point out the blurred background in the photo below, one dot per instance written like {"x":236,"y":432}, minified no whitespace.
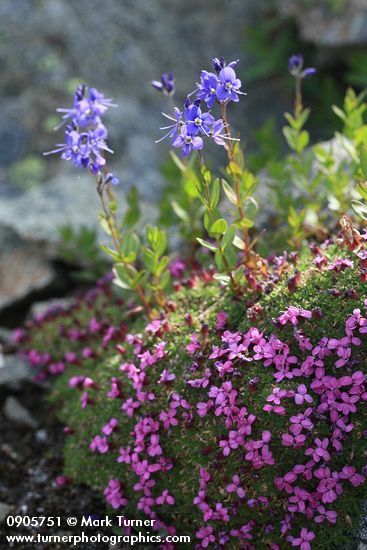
{"x":47,"y":47}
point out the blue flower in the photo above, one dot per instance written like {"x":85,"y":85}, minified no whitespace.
{"x":187,"y":141}
{"x":196,"y":121}
{"x":87,"y":110}
{"x":166,"y":84}
{"x":219,"y":63}
{"x":207,"y":89}
{"x":216,"y":132}
{"x":295,"y":67}
{"x":76,"y":147}
{"x":229,"y":85}
{"x":112,"y":178}
{"x":174,"y":128}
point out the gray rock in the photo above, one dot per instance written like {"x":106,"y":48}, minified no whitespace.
{"x":23,"y":268}
{"x":15,"y":412}
{"x":5,"y":510}
{"x":119,"y":50}
{"x":13,"y":370}
{"x":69,"y":198}
{"x":325,"y":24}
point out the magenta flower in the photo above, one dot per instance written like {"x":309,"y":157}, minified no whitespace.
{"x":165,"y":498}
{"x":110,"y":426}
{"x":168,"y":418}
{"x":302,"y":396}
{"x":206,"y":535}
{"x":320,"y":451}
{"x":291,"y":315}
{"x":129,"y":406}
{"x":350,"y":472}
{"x":323,"y":514}
{"x":154,"y":448}
{"x":113,"y":494}
{"x":100,"y":444}
{"x":234,"y":487}
{"x":194,"y":344}
{"x":221,"y":320}
{"x":303,"y":541}
{"x":166,"y":377}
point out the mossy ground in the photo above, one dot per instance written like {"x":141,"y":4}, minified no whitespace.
{"x":195,"y":443}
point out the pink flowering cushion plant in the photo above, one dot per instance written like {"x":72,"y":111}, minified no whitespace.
{"x":242,"y":434}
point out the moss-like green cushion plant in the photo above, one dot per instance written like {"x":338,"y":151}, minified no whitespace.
{"x":238,"y":422}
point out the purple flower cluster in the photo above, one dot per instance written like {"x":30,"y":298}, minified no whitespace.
{"x":85,"y":135}
{"x":191,"y":125}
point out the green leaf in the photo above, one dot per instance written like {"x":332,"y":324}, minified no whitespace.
{"x":207,"y":177}
{"x":206,"y":244}
{"x":360,"y":209}
{"x":239,"y":243}
{"x":302,"y":141}
{"x":180,"y":212}
{"x":362,"y":188}
{"x":231,"y":257}
{"x":219,"y":227}
{"x":104,"y":224}
{"x":178,"y":162}
{"x":130,"y":243}
{"x":363,"y":159}
{"x":222,"y":279}
{"x":245,"y":223}
{"x":304,"y":117}
{"x":251,"y":208}
{"x":290,"y":135}
{"x":163,"y":263}
{"x":233,"y":168}
{"x":219,"y":261}
{"x":149,"y":260}
{"x":228,"y":237}
{"x":230,"y":194}
{"x":339,"y":112}
{"x":110,"y":252}
{"x":215,"y":194}
{"x":165,"y":279}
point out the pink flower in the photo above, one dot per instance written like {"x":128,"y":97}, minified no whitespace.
{"x":166,"y":377}
{"x":350,"y":472}
{"x":165,"y":498}
{"x":234,"y":487}
{"x":110,"y":426}
{"x":100,"y":444}
{"x":303,"y":541}
{"x":319,"y":452}
{"x":206,"y":535}
{"x":168,"y":418}
{"x":124,"y":455}
{"x":154,"y":448}
{"x":221,"y":320}
{"x":324,"y":514}
{"x":301,"y":395}
{"x":129,"y":406}
{"x":113,"y":494}
{"x":340,"y":264}
{"x":291,"y":315}
{"x":204,"y":408}
{"x":114,"y":392}
{"x":194,"y":344}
